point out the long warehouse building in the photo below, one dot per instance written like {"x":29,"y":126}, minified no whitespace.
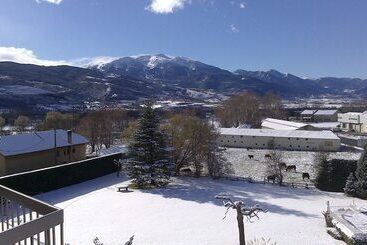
{"x":300,"y":140}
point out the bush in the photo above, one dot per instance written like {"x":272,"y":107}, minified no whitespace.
{"x":332,"y":174}
{"x":361,"y":175}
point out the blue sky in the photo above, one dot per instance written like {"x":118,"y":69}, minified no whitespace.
{"x":310,"y":38}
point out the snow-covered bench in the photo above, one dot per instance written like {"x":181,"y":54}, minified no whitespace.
{"x":124,"y":188}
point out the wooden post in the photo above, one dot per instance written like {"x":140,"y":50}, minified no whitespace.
{"x":241,"y":227}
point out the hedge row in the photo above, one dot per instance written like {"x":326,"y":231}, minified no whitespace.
{"x":48,"y":179}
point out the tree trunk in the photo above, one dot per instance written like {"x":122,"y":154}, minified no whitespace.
{"x":241,"y":227}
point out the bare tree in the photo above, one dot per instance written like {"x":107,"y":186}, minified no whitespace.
{"x":21,"y":123}
{"x":275,"y":165}
{"x":271,"y":105}
{"x":2,"y":124}
{"x":242,"y":210}
{"x":240,"y":109}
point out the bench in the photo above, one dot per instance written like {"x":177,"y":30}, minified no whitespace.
{"x":123,"y":188}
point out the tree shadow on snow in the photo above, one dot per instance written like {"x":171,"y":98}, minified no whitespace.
{"x":204,"y":190}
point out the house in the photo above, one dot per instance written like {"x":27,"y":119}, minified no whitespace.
{"x":353,"y":121}
{"x":325,"y":116}
{"x":271,"y":123}
{"x":30,"y":151}
{"x":307,"y":115}
{"x":279,"y":139}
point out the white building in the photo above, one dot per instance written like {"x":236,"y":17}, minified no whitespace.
{"x":271,"y":123}
{"x":353,"y":121}
{"x":280,"y":139}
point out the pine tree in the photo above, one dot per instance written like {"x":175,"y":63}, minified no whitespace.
{"x":361,"y":175}
{"x":150,"y":164}
{"x":322,"y":180}
{"x":350,"y":185}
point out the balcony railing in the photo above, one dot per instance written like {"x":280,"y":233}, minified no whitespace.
{"x":25,"y":220}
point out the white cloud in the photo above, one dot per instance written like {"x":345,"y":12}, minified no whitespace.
{"x":242,"y":5}
{"x":94,"y":61}
{"x":50,"y":1}
{"x":26,"y":56}
{"x":166,"y":6}
{"x":234,"y":29}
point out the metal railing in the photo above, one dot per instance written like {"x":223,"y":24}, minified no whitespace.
{"x":25,"y":220}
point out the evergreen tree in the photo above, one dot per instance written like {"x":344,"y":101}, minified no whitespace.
{"x":361,"y":175}
{"x":322,"y":180}
{"x":350,"y":185}
{"x":150,"y":164}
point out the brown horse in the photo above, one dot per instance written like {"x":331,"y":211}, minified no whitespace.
{"x":291,"y":168}
{"x":282,"y":165}
{"x":305,"y":176}
{"x":268,"y":156}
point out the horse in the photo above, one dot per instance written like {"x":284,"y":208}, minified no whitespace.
{"x":271,"y":177}
{"x":290,"y":168}
{"x":268,"y":156}
{"x":250,"y":156}
{"x":282,"y":165}
{"x":305,"y":176}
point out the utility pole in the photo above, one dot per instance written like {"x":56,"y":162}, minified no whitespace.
{"x":55,"y":148}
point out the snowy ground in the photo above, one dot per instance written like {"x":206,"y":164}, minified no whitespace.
{"x":256,"y":167}
{"x":187,"y":213}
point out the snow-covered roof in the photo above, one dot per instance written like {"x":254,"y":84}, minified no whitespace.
{"x":326,"y":125}
{"x":326,"y":112}
{"x":324,"y":134}
{"x":112,"y":150}
{"x":281,"y":124}
{"x":37,"y":141}
{"x":308,"y":112}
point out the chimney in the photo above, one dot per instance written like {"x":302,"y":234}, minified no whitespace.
{"x":70,"y":136}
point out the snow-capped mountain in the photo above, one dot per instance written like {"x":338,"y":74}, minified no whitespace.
{"x":155,"y":76}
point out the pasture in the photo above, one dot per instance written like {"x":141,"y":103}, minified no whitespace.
{"x":252,"y":163}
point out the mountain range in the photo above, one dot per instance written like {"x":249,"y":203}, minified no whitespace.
{"x":154,"y":76}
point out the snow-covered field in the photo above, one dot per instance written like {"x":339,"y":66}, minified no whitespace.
{"x":186,"y":213}
{"x":256,"y":167}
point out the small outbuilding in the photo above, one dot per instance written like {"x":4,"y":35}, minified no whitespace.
{"x":30,"y":151}
{"x":307,"y":115}
{"x":326,"y":116}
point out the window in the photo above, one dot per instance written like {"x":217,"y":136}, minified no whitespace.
{"x":74,"y":149}
{"x":297,"y":138}
{"x":306,"y":138}
{"x":290,"y":145}
{"x":232,"y":136}
{"x":256,"y":144}
{"x":58,"y":153}
{"x":68,"y":151}
{"x":289,"y":138}
{"x":241,"y":141}
{"x":299,"y":146}
{"x":241,"y":136}
{"x":253,"y":137}
{"x":263,"y":144}
{"x":235,"y":141}
{"x":228,"y":141}
{"x":221,"y":141}
{"x":307,"y":147}
{"x":64,"y":153}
